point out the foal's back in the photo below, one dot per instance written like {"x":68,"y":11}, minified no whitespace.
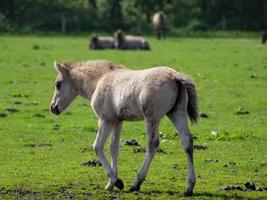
{"x":135,"y":94}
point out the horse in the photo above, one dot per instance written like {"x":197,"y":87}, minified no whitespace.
{"x":103,"y":42}
{"x":119,"y":94}
{"x":130,"y":41}
{"x":159,"y":23}
{"x":264,"y":37}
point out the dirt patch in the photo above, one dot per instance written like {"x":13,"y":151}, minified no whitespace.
{"x":200,"y":147}
{"x":131,"y":143}
{"x":35,"y":103}
{"x":92,"y":163}
{"x":63,"y":192}
{"x":241,"y":111}
{"x":46,"y":110}
{"x":139,"y":150}
{"x":17,"y":102}
{"x":38,"y":115}
{"x":56,"y":127}
{"x":114,"y":198}
{"x":249,"y":186}
{"x":2,"y":115}
{"x":211,"y":161}
{"x":11,"y":110}
{"x":25,"y":65}
{"x":143,"y":150}
{"x":38,"y":145}
{"x":36,"y":47}
{"x":42,"y":64}
{"x":253,"y":76}
{"x":230,"y":164}
{"x":85,"y":149}
{"x":203,"y":115}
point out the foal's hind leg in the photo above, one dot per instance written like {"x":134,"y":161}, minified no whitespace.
{"x":180,"y":121}
{"x":104,"y":129}
{"x":114,"y":151}
{"x":152,"y":145}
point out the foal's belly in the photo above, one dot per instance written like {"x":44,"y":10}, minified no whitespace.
{"x":130,"y":114}
{"x":128,"y":108}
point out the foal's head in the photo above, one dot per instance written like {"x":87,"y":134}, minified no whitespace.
{"x":65,"y":92}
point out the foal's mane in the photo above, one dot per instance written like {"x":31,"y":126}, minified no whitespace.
{"x":93,"y":65}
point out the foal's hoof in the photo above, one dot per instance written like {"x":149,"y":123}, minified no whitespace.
{"x":134,"y":188}
{"x":119,"y":184}
{"x":188,"y":194}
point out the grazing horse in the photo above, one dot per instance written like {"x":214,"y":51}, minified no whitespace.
{"x":159,"y":23}
{"x":117,"y":94}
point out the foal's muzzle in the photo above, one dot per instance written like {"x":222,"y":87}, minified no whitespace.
{"x":54,"y":109}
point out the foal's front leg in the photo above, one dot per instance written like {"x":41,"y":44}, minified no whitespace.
{"x":114,"y":151}
{"x":152,"y":145}
{"x":104,"y":129}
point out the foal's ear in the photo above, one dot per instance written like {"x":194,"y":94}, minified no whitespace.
{"x":61,"y":68}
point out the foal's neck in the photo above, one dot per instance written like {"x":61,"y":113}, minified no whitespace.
{"x":85,"y":81}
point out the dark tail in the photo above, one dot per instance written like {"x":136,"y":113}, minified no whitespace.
{"x":192,"y":104}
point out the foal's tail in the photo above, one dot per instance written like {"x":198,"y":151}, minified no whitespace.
{"x":187,"y":88}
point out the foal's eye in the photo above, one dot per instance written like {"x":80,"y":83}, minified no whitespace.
{"x":58,"y":85}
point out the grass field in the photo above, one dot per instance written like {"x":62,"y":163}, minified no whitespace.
{"x":41,"y":154}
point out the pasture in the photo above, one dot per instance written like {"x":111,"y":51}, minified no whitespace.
{"x":41,"y":155}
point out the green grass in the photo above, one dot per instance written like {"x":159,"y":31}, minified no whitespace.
{"x":41,"y":155}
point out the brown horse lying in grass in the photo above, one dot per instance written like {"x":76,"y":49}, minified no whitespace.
{"x":117,"y":94}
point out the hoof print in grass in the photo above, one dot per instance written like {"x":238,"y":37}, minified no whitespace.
{"x":200,"y":147}
{"x":38,"y":115}
{"x":131,"y":143}
{"x":12,"y":110}
{"x":203,"y":115}
{"x":92,"y":163}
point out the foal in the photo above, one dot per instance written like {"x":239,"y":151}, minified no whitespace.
{"x":119,"y":94}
